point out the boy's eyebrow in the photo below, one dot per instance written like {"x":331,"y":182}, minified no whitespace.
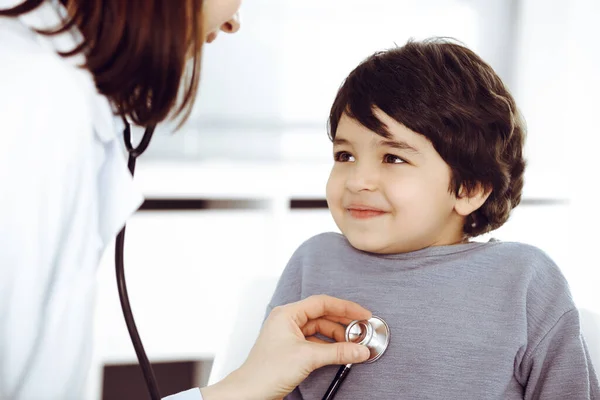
{"x":395,"y":144}
{"x":339,"y":141}
{"x":398,"y":144}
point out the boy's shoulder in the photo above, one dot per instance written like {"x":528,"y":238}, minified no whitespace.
{"x":535,"y":271}
{"x":522,"y":255}
{"x":326,"y":239}
{"x":324,"y":243}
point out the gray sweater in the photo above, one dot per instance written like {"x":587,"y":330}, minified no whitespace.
{"x":471,"y":321}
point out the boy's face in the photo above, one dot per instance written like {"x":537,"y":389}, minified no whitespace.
{"x":391,"y":196}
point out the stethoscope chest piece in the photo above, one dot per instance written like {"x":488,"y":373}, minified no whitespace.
{"x":373,"y":333}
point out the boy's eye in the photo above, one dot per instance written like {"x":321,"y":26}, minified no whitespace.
{"x":343,"y":156}
{"x":392,"y":159}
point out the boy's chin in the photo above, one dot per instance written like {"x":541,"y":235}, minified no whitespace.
{"x":376,"y":245}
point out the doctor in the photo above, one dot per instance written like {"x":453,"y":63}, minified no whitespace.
{"x":65,"y":190}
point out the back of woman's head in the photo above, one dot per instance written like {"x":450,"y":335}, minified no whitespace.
{"x":144,"y":55}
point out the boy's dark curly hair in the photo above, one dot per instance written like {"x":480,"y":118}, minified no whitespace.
{"x":446,"y":92}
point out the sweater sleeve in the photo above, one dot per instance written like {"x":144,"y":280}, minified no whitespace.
{"x":560,"y":366}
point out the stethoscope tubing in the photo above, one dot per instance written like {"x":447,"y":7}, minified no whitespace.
{"x":147,"y":371}
{"x":336,"y":383}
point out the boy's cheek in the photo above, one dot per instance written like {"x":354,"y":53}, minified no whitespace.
{"x":406,"y":193}
{"x":416,"y":190}
{"x":334,"y":188}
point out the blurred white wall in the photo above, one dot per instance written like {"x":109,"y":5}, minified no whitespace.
{"x":279,"y":75}
{"x":581,"y":137}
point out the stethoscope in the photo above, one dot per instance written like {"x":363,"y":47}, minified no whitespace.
{"x":373,"y":333}
{"x":147,"y":371}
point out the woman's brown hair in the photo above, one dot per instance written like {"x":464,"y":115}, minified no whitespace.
{"x":447,"y":93}
{"x":144,"y":55}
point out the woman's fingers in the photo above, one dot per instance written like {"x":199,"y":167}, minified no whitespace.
{"x":287,"y":351}
{"x":341,"y":320}
{"x":326,"y":328}
{"x":321,"y":305}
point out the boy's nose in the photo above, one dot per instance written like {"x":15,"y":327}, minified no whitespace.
{"x":233,"y":25}
{"x":361,"y":178}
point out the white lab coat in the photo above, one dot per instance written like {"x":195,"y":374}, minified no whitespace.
{"x":65,"y":192}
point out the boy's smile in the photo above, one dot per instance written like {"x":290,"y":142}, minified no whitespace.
{"x":391,"y":195}
{"x":360,"y":211}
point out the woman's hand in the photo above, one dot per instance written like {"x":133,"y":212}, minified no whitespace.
{"x":286,"y":350}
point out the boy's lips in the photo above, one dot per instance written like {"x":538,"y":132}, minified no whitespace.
{"x":364,"y":212}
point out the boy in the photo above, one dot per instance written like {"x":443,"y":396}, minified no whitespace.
{"x":427,"y":144}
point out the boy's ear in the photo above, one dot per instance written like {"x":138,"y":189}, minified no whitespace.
{"x":469,"y":201}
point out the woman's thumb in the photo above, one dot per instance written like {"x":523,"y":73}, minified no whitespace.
{"x":340,"y":353}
